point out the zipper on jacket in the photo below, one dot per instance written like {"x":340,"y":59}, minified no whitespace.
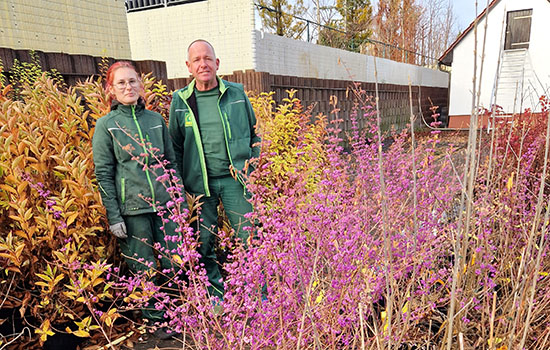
{"x":198,"y":144}
{"x":146,"y":158}
{"x":123,"y":190}
{"x":228,"y":126}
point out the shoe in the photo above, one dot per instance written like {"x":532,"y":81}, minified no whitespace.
{"x":163,"y":333}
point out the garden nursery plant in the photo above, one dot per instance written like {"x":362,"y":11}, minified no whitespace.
{"x":356,"y":244}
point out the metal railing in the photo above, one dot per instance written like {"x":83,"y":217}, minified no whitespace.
{"x":139,"y":5}
{"x":378,"y":48}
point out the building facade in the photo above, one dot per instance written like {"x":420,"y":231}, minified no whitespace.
{"x":86,"y":27}
{"x":515,"y":68}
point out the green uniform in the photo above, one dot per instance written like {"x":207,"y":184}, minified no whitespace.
{"x":197,"y":151}
{"x":127,"y":132}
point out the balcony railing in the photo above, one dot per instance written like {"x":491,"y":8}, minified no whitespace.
{"x":139,"y":5}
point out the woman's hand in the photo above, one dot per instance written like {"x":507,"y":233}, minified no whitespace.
{"x":119,"y":230}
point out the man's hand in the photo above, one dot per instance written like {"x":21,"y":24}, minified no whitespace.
{"x":119,"y":230}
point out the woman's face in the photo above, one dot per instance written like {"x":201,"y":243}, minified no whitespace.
{"x":126,"y":86}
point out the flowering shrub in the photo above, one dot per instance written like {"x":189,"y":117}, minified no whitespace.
{"x":368,"y":246}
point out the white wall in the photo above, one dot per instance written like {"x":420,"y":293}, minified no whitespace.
{"x":539,"y":47}
{"x":284,"y":56}
{"x":91,"y":27}
{"x":165,"y":33}
{"x":462,"y":74}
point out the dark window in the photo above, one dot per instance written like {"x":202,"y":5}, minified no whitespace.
{"x":518,"y":29}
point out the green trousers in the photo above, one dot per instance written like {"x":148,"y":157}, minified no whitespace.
{"x":144,"y":231}
{"x":231,"y":193}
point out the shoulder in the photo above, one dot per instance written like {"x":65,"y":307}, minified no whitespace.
{"x":103,"y":121}
{"x":233,"y":86}
{"x":178,"y":94}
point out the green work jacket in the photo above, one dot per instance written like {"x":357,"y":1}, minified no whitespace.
{"x":124,"y":140}
{"x":238,"y":122}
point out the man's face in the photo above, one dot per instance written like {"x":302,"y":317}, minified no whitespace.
{"x":203,"y":64}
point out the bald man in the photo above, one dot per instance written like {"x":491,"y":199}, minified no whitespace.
{"x":212,"y":125}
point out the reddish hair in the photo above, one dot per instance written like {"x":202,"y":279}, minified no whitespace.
{"x":110,"y":76}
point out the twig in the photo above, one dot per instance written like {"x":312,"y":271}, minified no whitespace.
{"x":542,"y":242}
{"x":7,"y":292}
{"x":492,"y":322}
{"x":17,"y":337}
{"x":362,"y":325}
{"x":387,"y":247}
{"x":415,"y":200}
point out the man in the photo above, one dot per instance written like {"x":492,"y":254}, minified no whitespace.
{"x":212,"y":128}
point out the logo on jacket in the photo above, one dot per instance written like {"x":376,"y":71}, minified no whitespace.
{"x":188,"y":120}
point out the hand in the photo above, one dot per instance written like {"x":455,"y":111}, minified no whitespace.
{"x":119,"y":230}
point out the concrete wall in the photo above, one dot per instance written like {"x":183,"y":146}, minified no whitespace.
{"x":165,"y":33}
{"x":90,"y":27}
{"x":462,"y":74}
{"x":284,"y":56}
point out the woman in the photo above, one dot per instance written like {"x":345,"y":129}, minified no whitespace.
{"x":123,"y":142}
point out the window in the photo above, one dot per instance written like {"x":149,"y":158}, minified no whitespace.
{"x":518,"y":29}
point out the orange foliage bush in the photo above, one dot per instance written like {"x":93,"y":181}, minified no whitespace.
{"x":54,"y":246}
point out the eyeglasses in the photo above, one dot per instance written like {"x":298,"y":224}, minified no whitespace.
{"x":121,"y":85}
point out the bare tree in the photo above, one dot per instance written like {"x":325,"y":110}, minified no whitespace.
{"x":280,"y":17}
{"x":437,"y":29}
{"x":351,"y":24}
{"x":396,"y":23}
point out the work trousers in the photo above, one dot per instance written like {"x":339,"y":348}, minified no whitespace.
{"x":144,"y":231}
{"x":232,"y":194}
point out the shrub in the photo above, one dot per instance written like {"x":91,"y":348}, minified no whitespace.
{"x":369,"y":246}
{"x":54,"y":247}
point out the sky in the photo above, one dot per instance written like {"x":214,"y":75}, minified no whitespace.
{"x":465,"y":11}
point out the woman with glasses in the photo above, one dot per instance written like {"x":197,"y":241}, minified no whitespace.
{"x":131,"y":150}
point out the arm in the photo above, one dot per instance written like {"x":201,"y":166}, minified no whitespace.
{"x":169,"y":153}
{"x":105,"y":171}
{"x":177,"y":137}
{"x":255,"y":140}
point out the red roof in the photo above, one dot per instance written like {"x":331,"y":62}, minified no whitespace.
{"x":470,"y":27}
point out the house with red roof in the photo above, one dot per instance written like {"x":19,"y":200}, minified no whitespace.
{"x":502,"y":57}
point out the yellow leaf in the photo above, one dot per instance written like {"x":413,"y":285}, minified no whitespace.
{"x":8,"y":188}
{"x":320,"y":297}
{"x":72,"y":218}
{"x":177,"y":259}
{"x":44,"y":331}
{"x":510,"y":182}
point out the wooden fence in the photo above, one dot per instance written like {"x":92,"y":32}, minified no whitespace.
{"x":74,"y":68}
{"x":394,"y":99}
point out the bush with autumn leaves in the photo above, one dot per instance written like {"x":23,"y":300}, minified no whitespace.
{"x":55,"y":251}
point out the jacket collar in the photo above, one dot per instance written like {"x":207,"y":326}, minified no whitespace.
{"x":115,"y":105}
{"x":186,"y":93}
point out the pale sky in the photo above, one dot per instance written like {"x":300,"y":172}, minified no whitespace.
{"x":465,"y":11}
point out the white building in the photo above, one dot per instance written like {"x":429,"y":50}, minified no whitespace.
{"x":86,"y":27}
{"x":163,"y":29}
{"x":515,"y":66}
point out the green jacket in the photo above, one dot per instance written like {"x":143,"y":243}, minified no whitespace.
{"x":238,"y":121}
{"x":119,"y":136}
